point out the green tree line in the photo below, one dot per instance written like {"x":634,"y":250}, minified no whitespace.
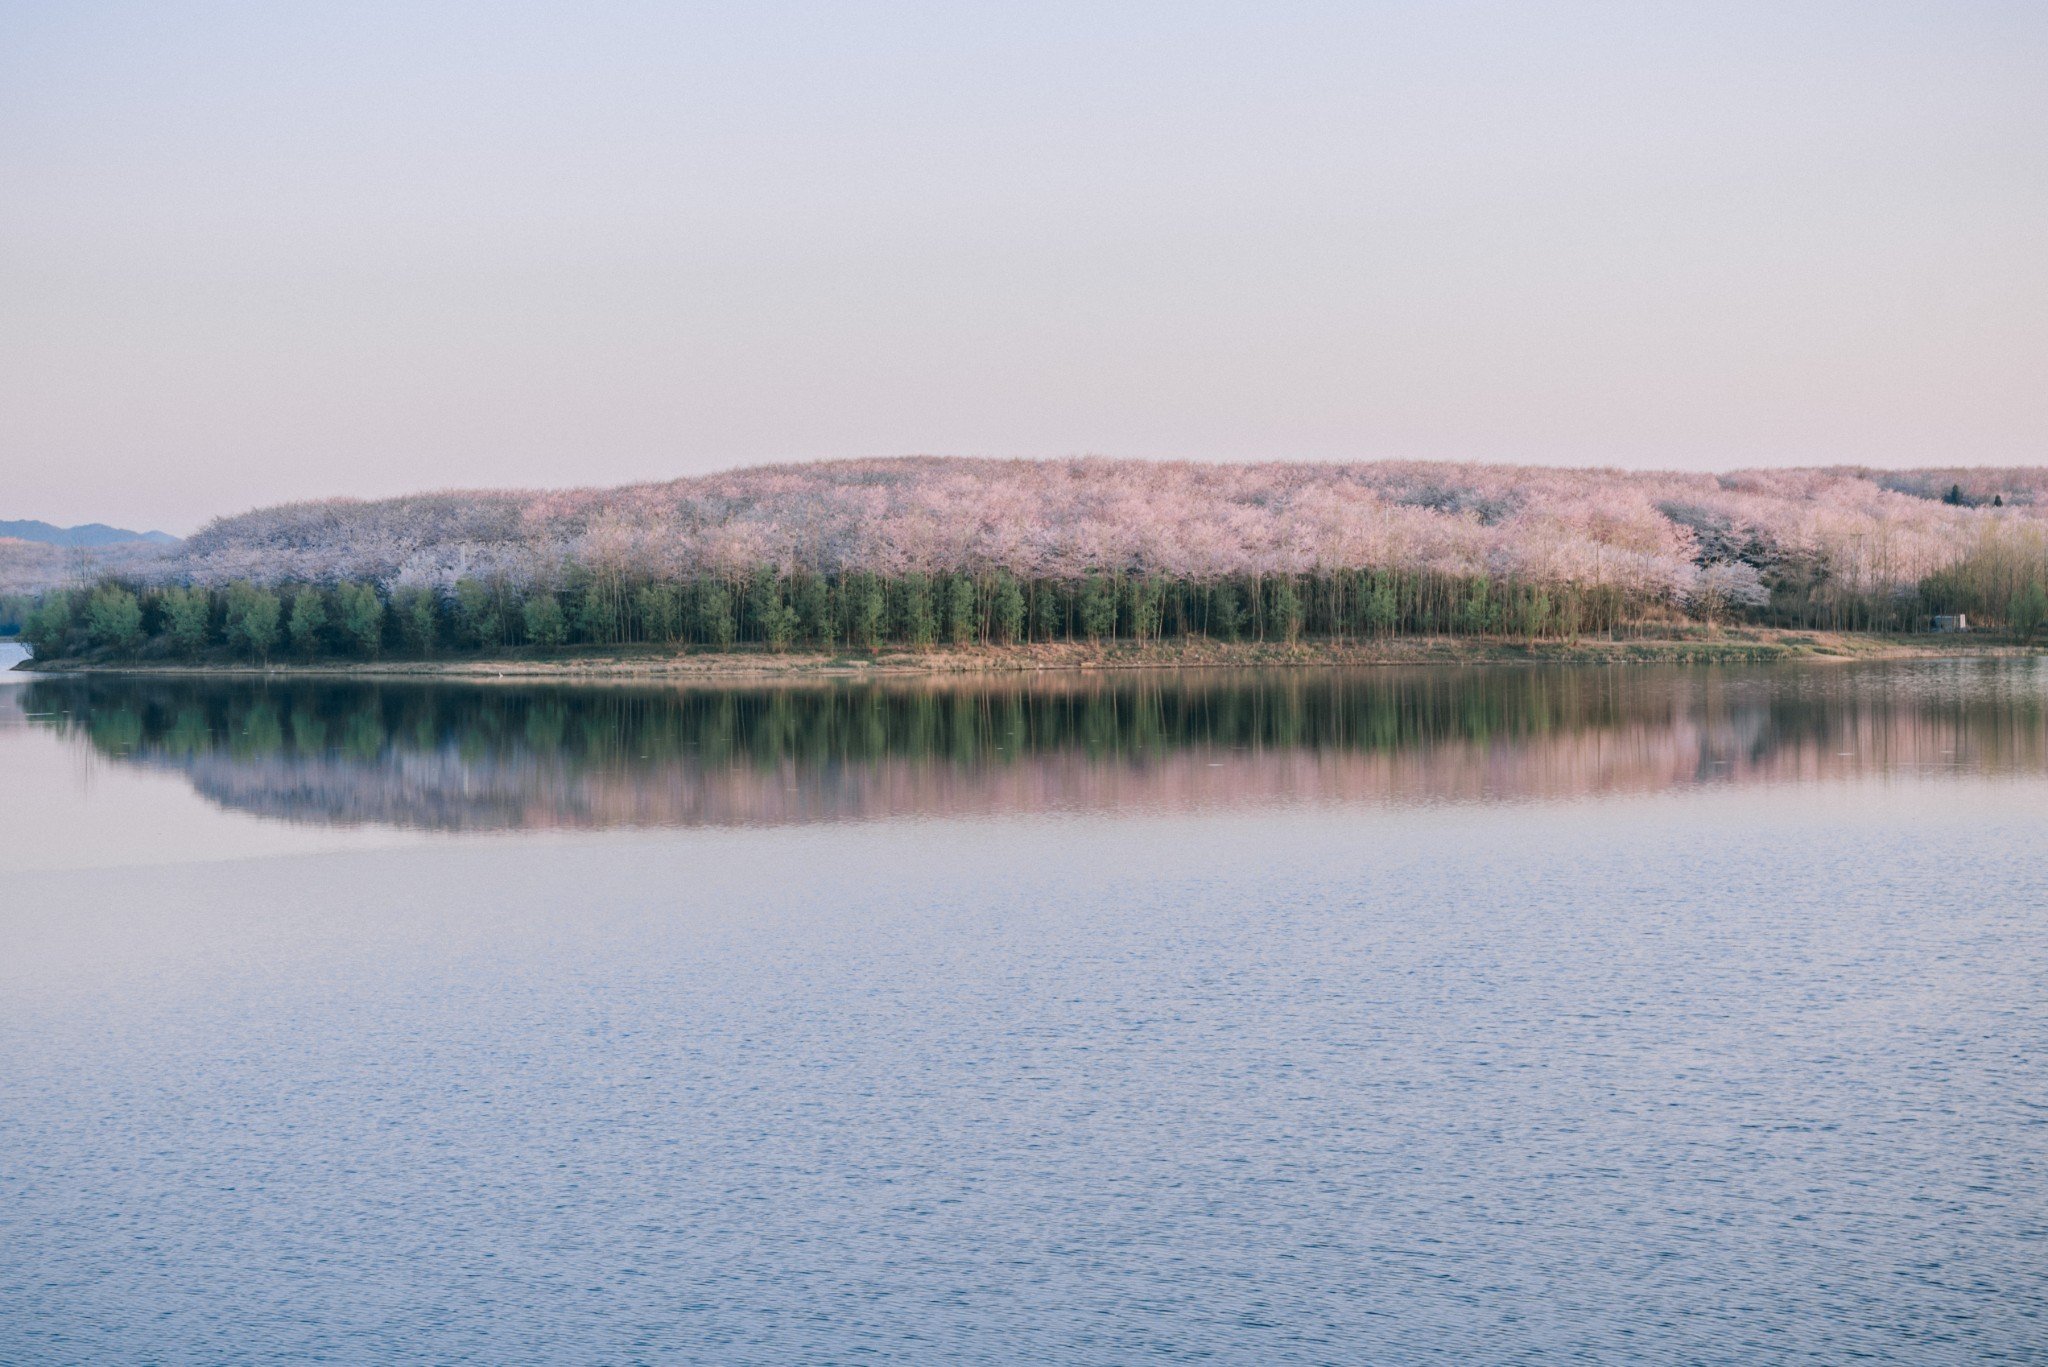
{"x":857,"y":611}
{"x":863,"y":611}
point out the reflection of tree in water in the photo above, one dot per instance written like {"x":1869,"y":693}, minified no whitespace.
{"x":450,"y":756}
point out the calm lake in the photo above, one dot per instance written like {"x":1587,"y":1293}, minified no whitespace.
{"x":1664,"y":1015}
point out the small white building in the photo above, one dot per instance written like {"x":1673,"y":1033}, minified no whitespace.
{"x":1955,"y":622}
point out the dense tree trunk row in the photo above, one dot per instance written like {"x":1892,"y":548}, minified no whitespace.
{"x":863,"y":611}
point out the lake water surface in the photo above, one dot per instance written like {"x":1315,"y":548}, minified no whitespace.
{"x":1631,"y":1015}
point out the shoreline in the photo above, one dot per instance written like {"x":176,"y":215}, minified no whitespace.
{"x":668,"y":664}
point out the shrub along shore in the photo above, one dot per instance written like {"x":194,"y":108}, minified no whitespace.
{"x":1360,"y":614}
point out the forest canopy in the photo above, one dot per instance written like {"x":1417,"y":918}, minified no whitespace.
{"x":1657,"y":532}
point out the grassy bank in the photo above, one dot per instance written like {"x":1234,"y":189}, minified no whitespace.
{"x":1701,"y":645}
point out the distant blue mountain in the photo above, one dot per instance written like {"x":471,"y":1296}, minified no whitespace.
{"x":91,"y":534}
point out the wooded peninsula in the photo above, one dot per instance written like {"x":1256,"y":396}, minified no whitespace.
{"x":931,"y":554}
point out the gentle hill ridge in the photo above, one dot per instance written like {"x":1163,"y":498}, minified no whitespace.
{"x":88,"y":534}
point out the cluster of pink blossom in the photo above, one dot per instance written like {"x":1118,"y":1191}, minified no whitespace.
{"x":1678,"y":535}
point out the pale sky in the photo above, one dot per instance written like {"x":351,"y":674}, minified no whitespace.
{"x":252,"y":252}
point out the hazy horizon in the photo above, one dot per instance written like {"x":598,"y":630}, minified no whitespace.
{"x":254,"y":254}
